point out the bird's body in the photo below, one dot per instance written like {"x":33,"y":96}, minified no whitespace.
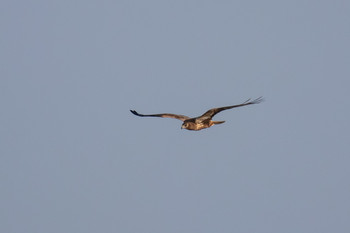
{"x":203,"y":121}
{"x":198,"y":124}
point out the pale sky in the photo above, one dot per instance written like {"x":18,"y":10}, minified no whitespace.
{"x":74,"y":159}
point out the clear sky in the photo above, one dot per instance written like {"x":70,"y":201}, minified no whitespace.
{"x":74,"y":159}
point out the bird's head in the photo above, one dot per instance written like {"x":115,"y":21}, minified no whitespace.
{"x":184,"y":125}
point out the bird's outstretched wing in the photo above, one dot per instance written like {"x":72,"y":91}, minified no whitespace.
{"x":165,"y":115}
{"x":212,"y":112}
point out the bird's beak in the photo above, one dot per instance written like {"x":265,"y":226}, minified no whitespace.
{"x":182,"y":126}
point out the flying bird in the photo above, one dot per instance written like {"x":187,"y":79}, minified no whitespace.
{"x":203,"y":121}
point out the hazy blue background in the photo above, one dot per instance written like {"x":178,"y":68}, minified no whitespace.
{"x":74,"y":159}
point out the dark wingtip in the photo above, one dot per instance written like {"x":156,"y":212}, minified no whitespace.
{"x":135,"y":113}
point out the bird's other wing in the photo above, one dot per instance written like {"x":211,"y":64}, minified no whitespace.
{"x":164,"y":115}
{"x":212,"y":112}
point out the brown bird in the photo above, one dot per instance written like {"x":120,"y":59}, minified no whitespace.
{"x":203,"y":121}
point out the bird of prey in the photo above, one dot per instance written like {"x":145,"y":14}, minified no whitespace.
{"x":203,"y":121}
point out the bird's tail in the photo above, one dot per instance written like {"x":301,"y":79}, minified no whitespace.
{"x":217,"y":122}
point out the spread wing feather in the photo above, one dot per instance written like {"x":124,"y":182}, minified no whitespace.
{"x":212,"y":112}
{"x":165,"y":115}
